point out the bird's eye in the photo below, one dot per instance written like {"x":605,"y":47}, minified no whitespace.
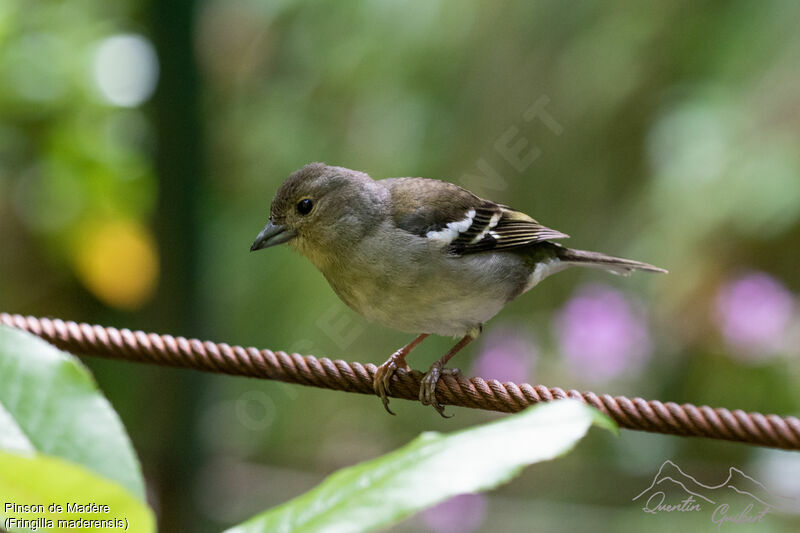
{"x":304,"y":206}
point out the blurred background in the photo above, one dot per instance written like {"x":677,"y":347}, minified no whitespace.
{"x":141,"y":143}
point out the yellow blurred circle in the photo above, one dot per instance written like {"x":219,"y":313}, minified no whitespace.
{"x":118,"y":262}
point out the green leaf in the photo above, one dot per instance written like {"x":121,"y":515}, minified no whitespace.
{"x":42,"y":480}
{"x":430,"y":469}
{"x":49,"y":403}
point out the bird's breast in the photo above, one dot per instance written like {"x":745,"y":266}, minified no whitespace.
{"x":414,"y":287}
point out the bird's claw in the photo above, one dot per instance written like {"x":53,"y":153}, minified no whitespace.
{"x":427,"y":387}
{"x":382,"y":381}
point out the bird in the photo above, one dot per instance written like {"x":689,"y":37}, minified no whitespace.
{"x":418,"y":255}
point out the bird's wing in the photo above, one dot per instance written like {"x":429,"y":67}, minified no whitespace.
{"x":461,"y":221}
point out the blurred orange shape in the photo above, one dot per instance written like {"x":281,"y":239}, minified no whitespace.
{"x":118,"y":262}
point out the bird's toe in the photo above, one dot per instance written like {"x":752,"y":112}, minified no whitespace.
{"x":382,"y":381}
{"x":427,"y":388}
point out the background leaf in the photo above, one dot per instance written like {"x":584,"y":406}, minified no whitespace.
{"x":40,"y":479}
{"x":430,"y":469}
{"x":49,"y":403}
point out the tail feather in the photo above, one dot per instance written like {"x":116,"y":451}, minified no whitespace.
{"x":615,"y":265}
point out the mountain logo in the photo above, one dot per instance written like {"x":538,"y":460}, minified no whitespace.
{"x":739,"y":499}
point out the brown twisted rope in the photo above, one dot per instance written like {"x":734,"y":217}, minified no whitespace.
{"x":631,"y":413}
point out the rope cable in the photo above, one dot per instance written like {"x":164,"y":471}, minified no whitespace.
{"x":631,"y":413}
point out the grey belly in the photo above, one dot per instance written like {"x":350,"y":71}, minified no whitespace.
{"x":442,"y":295}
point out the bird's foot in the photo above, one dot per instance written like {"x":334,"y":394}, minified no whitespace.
{"x":427,"y":388}
{"x":383,"y":376}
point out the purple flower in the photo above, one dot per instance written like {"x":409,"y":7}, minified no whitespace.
{"x":507,"y":354}
{"x":600,"y":334}
{"x":753,"y":313}
{"x":459,"y":514}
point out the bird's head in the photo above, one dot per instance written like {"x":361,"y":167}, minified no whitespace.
{"x":320,"y":210}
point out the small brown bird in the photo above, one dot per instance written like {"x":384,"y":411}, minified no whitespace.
{"x":418,"y":255}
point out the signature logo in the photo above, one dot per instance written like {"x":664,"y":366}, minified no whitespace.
{"x":739,"y":499}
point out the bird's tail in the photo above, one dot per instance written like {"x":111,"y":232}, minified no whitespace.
{"x":615,"y":265}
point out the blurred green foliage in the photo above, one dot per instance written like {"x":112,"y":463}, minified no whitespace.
{"x":429,"y":470}
{"x":61,"y":443}
{"x":51,"y":405}
{"x":676,"y":144}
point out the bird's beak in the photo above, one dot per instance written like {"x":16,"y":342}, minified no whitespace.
{"x":271,"y":235}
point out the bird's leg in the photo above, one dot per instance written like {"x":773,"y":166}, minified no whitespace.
{"x":383,"y":376}
{"x":427,"y":388}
